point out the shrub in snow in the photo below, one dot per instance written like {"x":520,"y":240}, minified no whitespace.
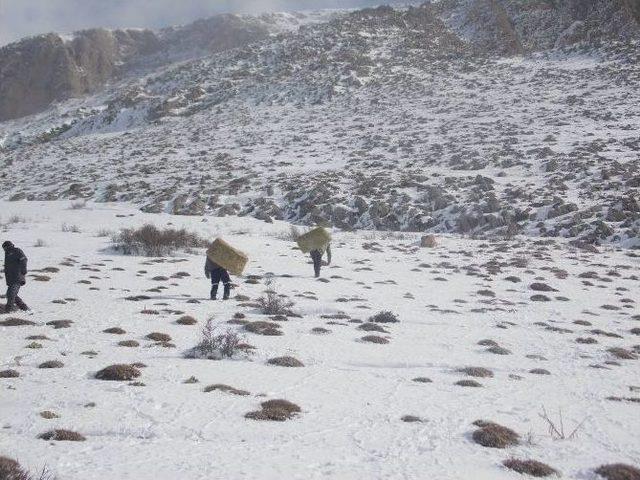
{"x":618,"y":471}
{"x":275,"y":410}
{"x":530,"y":467}
{"x":272,"y":303}
{"x":493,"y":435}
{"x":384,"y":317}
{"x":150,"y":241}
{"x":214,"y":345}
{"x":60,"y":435}
{"x":118,"y":373}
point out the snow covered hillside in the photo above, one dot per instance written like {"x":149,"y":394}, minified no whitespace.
{"x":491,"y":118}
{"x":488,"y":330}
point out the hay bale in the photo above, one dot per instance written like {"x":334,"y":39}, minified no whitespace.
{"x":316,"y":239}
{"x":229,"y":258}
{"x":428,"y":241}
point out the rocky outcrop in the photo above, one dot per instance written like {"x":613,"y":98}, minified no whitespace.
{"x":40,"y":70}
{"x":37,"y":71}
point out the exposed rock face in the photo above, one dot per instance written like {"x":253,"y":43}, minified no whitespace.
{"x":40,"y":70}
{"x":37,"y":71}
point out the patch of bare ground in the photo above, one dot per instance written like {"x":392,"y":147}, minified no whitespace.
{"x":262,"y":327}
{"x":372,"y":327}
{"x":374,"y":339}
{"x":411,"y":419}
{"x":119,"y":372}
{"x":15,"y":322}
{"x":48,"y":415}
{"x":219,"y":387}
{"x":115,"y":331}
{"x":479,"y":372}
{"x":320,"y":331}
{"x":159,"y":337}
{"x":186,"y":320}
{"x":468,"y":383}
{"x":618,"y":471}
{"x":275,"y":410}
{"x":497,"y":350}
{"x":422,"y":380}
{"x":285,"y":362}
{"x":51,"y":364}
{"x":493,"y":435}
{"x":61,"y":435}
{"x":622,"y":353}
{"x":530,"y":467}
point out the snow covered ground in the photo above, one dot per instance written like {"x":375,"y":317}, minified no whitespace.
{"x":353,"y":394}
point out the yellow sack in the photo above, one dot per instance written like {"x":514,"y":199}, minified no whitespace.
{"x":229,"y":258}
{"x":316,"y":239}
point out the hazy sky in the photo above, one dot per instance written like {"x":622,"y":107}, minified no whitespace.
{"x":21,"y":18}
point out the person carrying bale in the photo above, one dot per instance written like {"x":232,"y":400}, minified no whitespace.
{"x":223,"y":259}
{"x":217,"y":274}
{"x":317,"y":242}
{"x":15,"y":271}
{"x":316,"y":256}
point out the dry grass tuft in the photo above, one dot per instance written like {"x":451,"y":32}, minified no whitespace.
{"x":372,"y":327}
{"x":15,"y":322}
{"x":499,"y":350}
{"x":618,"y":471}
{"x":61,"y":435}
{"x":9,"y":374}
{"x":374,"y":339}
{"x":493,"y":435}
{"x":150,"y":241}
{"x":48,"y":415}
{"x":129,"y":343}
{"x":468,"y":383}
{"x":530,"y":467}
{"x":622,"y":353}
{"x":119,"y":373}
{"x":479,"y":372}
{"x":285,"y":362}
{"x":51,"y":364}
{"x":186,"y":320}
{"x":384,"y":317}
{"x":159,"y":337}
{"x":115,"y":331}
{"x":275,"y":410}
{"x":263,"y":328}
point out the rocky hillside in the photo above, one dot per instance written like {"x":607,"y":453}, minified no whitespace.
{"x":40,"y":70}
{"x":480,"y":117}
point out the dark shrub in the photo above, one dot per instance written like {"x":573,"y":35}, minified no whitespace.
{"x":374,"y":339}
{"x":60,"y":435}
{"x":129,"y":343}
{"x":479,"y":372}
{"x":384,"y":317}
{"x":186,"y":320}
{"x":15,"y":322}
{"x":51,"y":364}
{"x":118,"y":373}
{"x":11,"y":470}
{"x":372,"y":327}
{"x":618,"y":471}
{"x":468,"y":383}
{"x":150,"y":241}
{"x":530,"y":467}
{"x":285,"y":362}
{"x":263,"y":328}
{"x":214,"y":345}
{"x":115,"y":331}
{"x":159,"y":337}
{"x":9,"y":374}
{"x":493,"y":435}
{"x":275,"y":410}
{"x":272,"y":303}
{"x":219,"y":387}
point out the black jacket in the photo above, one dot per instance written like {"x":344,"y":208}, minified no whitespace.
{"x":210,"y":267}
{"x":15,"y":266}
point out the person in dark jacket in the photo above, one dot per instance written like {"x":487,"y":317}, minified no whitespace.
{"x":216,"y":273}
{"x":15,"y":271}
{"x":316,"y":256}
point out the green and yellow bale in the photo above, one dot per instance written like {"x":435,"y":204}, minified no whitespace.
{"x":229,"y":258}
{"x":316,"y":239}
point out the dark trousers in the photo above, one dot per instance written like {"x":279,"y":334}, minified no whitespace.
{"x":13,"y":300}
{"x":316,"y":256}
{"x":217,"y":276}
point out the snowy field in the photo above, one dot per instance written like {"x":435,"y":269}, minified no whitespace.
{"x":353,"y":394}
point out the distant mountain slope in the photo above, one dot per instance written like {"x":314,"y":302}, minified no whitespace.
{"x":394,"y":119}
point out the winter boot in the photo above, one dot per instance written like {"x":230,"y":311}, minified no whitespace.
{"x":227,"y":291}
{"x":214,"y":292}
